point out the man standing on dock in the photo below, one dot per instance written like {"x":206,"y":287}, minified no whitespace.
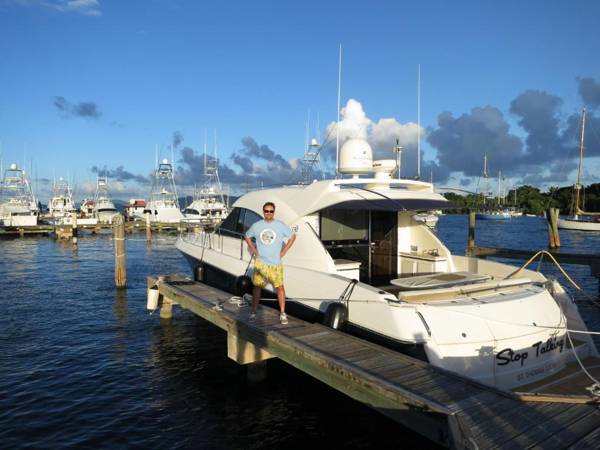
{"x":269,"y":234}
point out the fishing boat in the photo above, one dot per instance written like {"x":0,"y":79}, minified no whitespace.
{"x":18,"y":207}
{"x":61,"y":204}
{"x":579,"y":219}
{"x":163,"y":204}
{"x":361,"y":263}
{"x":104,"y":208}
{"x":208,"y":207}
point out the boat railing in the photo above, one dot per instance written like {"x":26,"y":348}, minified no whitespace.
{"x":212,"y":239}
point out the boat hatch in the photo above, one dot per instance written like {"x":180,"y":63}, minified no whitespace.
{"x":439,"y":280}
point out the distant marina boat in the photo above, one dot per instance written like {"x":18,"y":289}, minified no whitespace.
{"x":61,"y":203}
{"x":87,"y":207}
{"x":579,"y":219}
{"x":18,"y":206}
{"x":135,"y":209}
{"x":163,"y":204}
{"x":104,"y":208}
{"x":427,"y":218}
{"x":208,"y":207}
{"x":493,"y":213}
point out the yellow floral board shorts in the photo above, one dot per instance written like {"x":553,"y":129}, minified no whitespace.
{"x":265,"y":274}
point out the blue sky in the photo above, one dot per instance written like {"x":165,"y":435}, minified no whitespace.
{"x":95,"y":83}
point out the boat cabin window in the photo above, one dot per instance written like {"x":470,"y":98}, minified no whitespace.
{"x":345,"y":235}
{"x":343,"y":226}
{"x":250,"y":217}
{"x":229,"y":225}
{"x":238,"y":221}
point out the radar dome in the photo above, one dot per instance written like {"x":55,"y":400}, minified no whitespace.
{"x":13,"y":166}
{"x":356,"y":157}
{"x":165,"y":161}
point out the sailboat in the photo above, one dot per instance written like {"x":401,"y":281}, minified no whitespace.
{"x":580,"y":219}
{"x":491,"y":213}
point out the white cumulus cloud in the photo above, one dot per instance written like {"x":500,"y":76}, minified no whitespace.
{"x":382,"y":135}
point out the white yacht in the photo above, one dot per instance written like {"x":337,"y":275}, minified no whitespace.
{"x":208,"y":207}
{"x":61,"y":204}
{"x":163,"y":203}
{"x":362,"y":261}
{"x":104,"y":208}
{"x":18,"y":206}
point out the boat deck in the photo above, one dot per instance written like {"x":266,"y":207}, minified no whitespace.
{"x":449,"y":409}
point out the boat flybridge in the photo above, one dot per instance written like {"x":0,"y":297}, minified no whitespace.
{"x":360,"y":259}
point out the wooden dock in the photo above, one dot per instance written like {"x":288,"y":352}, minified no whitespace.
{"x":130,"y":227}
{"x":444,"y":407}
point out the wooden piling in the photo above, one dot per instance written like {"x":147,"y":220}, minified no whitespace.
{"x":119,"y":238}
{"x":553,"y":236}
{"x":471,"y":229}
{"x":148,"y":226}
{"x":556,"y":213}
{"x":74,"y":228}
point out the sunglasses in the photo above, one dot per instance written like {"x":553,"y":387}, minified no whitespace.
{"x":268,"y":211}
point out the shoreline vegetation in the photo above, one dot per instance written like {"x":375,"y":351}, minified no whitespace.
{"x":530,"y":200}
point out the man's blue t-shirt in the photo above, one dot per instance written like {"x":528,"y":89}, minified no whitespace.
{"x":269,"y":239}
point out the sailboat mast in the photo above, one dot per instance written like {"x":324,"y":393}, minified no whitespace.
{"x":578,"y":185}
{"x":499,"y":186}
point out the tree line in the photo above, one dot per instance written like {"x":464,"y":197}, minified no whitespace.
{"x":531,"y":200}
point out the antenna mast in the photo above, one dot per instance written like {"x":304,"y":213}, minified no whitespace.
{"x":419,"y":122}
{"x":337,"y":127}
{"x":398,"y":151}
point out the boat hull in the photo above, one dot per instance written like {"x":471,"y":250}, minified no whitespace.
{"x":490,"y":216}
{"x":463,"y":335}
{"x":579,"y":225}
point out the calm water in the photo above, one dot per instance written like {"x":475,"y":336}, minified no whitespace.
{"x":82,"y":365}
